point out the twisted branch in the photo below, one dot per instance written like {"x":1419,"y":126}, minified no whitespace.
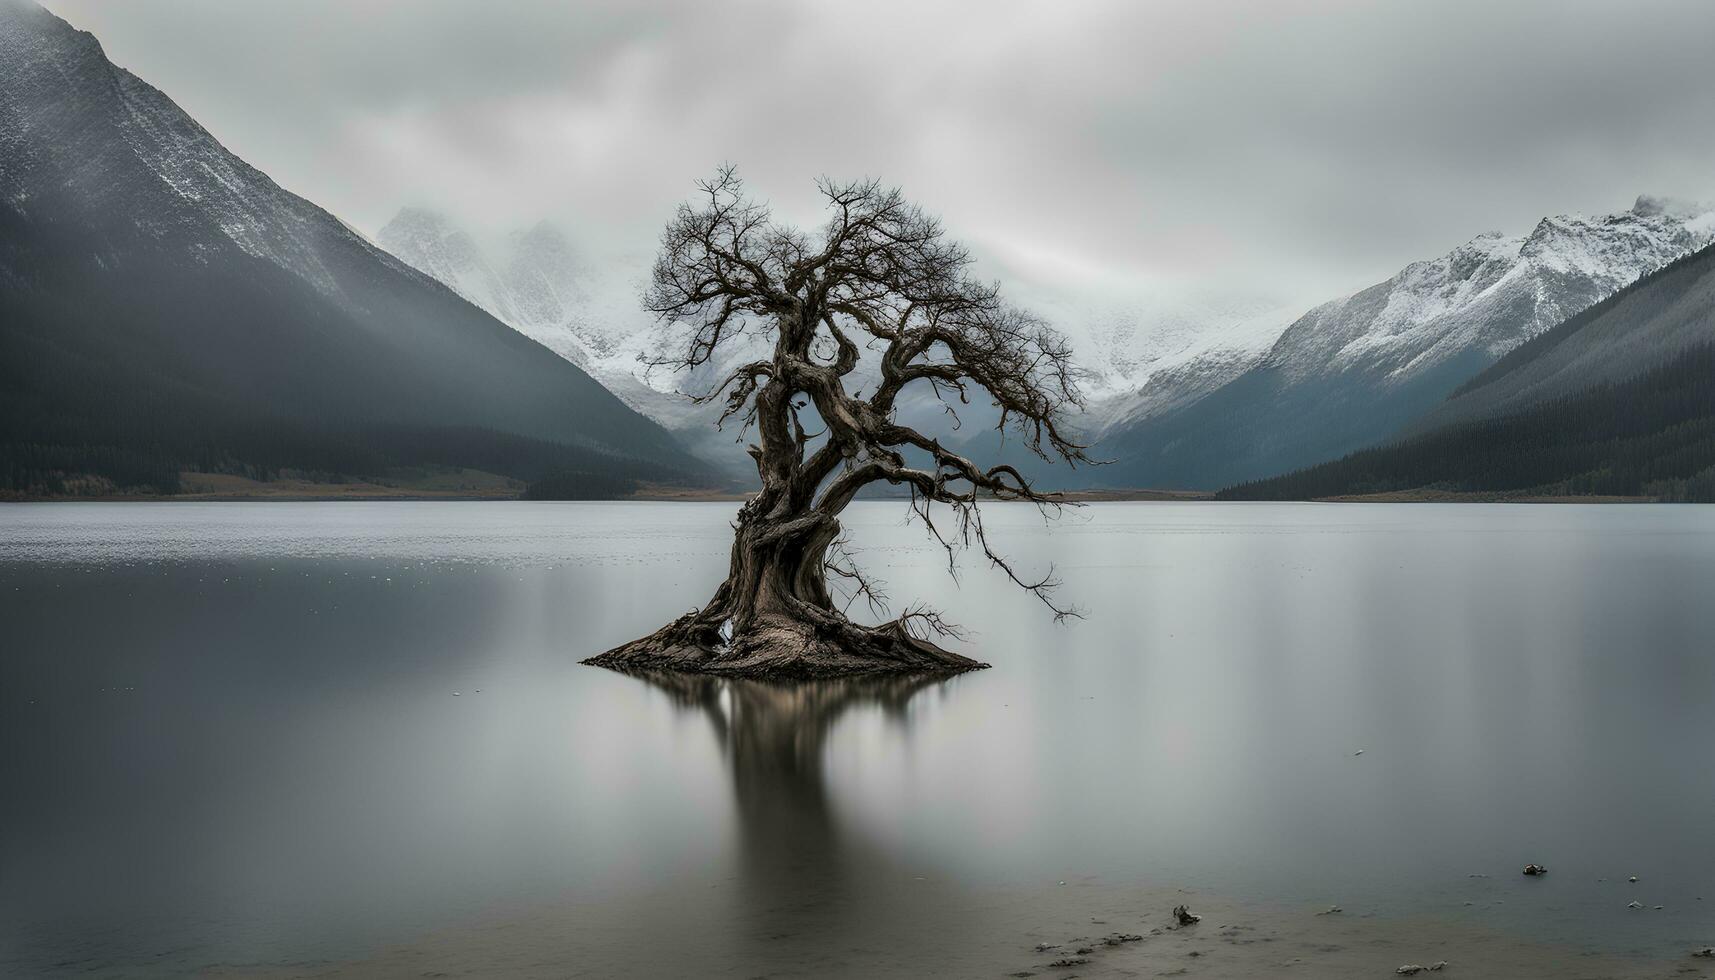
{"x":880,"y":276}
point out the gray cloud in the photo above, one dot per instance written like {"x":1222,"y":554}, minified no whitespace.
{"x":1303,"y":147}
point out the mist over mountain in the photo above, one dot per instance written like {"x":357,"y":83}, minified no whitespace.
{"x":165,"y":306}
{"x":1617,"y":400}
{"x":1142,"y":355}
{"x":1354,"y":371}
{"x":168,"y":307}
{"x":540,"y":286}
{"x":1137,"y":355}
{"x":1195,"y":391}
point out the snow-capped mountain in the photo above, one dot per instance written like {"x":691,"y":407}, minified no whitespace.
{"x":53,"y":73}
{"x":163,"y":298}
{"x":1182,"y":390}
{"x":1640,"y":328}
{"x":1617,"y":399}
{"x":1489,"y":294}
{"x":1135,"y":357}
{"x":589,"y":313}
{"x":538,"y":284}
{"x":1151,"y":355}
{"x":1353,"y":371}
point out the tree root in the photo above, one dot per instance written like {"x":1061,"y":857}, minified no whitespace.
{"x":779,"y":647}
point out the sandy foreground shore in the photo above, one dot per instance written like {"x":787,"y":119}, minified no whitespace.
{"x":1070,"y":931}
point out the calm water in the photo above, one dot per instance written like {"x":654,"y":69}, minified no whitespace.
{"x":278,"y":736}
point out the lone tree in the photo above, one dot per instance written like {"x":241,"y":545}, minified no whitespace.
{"x":881,"y":278}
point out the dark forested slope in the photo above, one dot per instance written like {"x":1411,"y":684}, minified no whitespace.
{"x":1653,"y":436}
{"x":165,"y":306}
{"x":1355,"y":371}
{"x":1619,"y":399}
{"x":1638,"y":327}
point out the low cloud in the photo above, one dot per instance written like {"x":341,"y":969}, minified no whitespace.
{"x":1306,"y":148}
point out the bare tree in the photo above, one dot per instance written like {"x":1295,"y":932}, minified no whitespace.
{"x":881,"y":277}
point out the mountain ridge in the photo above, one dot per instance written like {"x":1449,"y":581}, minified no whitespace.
{"x":1356,"y":370}
{"x":1609,"y":342}
{"x":1134,"y":358}
{"x":148,"y":267}
{"x":1616,"y":400}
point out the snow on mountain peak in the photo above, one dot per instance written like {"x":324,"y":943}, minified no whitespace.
{"x":432,"y":244}
{"x":214,"y":194}
{"x":1143,"y":354}
{"x":1611,"y":247}
{"x":1138,"y":356}
{"x":537,"y":281}
{"x":1490,"y":293}
{"x":422,"y":223}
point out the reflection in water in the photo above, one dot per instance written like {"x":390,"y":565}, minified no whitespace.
{"x":797,"y":871}
{"x":288,"y":734}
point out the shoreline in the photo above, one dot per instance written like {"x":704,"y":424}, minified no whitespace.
{"x":467,"y":484}
{"x":1084,"y":927}
{"x":1098,"y":497}
{"x":381,"y":493}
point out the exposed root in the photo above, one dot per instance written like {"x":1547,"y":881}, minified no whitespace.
{"x":786,"y":648}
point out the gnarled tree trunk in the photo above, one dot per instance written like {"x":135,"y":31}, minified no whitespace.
{"x":881,"y":279}
{"x":774,"y":616}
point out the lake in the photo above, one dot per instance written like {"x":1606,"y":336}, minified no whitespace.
{"x":325,"y":738}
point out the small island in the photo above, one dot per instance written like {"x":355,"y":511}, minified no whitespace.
{"x":883,"y":278}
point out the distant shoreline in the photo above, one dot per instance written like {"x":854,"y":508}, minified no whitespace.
{"x":1477,"y":497}
{"x":376,"y":493}
{"x":468,"y":484}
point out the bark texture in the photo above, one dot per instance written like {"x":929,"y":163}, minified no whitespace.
{"x":881,"y":282}
{"x":775,"y":617}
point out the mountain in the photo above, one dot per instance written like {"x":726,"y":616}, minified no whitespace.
{"x":1137,"y":357}
{"x":1184,"y":390}
{"x":587,"y":312}
{"x":542,"y":288}
{"x":1641,"y":327}
{"x":1618,"y":399}
{"x":1144,"y":355}
{"x":166,"y":306}
{"x":1357,"y":370}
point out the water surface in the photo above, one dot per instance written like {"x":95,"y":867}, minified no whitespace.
{"x":278,"y":737}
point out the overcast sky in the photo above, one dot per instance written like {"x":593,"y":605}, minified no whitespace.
{"x":1306,"y":148}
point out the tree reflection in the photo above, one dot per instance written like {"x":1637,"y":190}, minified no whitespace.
{"x":798,"y":872}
